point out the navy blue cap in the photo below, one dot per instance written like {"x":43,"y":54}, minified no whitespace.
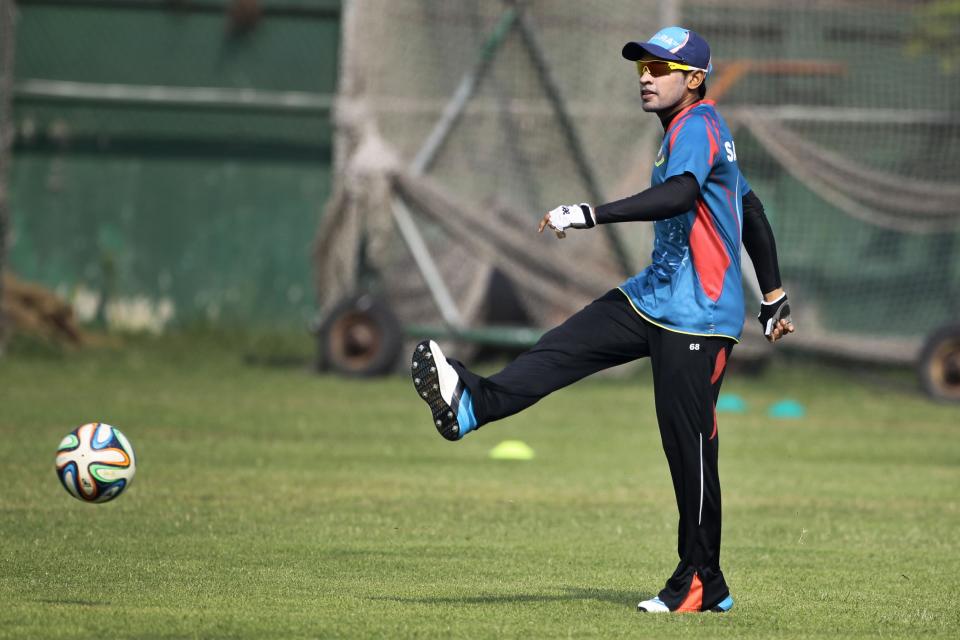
{"x":675,"y":44}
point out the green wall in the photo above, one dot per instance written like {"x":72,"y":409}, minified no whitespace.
{"x":211,"y":208}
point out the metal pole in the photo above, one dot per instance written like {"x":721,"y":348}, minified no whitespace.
{"x":7,"y":48}
{"x":181,"y":97}
{"x":421,"y":255}
{"x":573,"y":138}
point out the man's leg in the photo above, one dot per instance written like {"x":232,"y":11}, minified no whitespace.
{"x":688,"y":371}
{"x":605,"y":333}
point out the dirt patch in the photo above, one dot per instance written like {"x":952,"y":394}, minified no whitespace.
{"x":34,"y":310}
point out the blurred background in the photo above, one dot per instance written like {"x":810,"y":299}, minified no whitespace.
{"x":366,"y":172}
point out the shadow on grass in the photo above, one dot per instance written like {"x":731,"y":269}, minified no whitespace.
{"x":623,"y":598}
{"x":82,"y":603}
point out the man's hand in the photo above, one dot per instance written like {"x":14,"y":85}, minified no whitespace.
{"x":574,"y":216}
{"x":774,"y":316}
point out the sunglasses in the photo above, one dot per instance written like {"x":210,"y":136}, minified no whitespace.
{"x":658,"y":68}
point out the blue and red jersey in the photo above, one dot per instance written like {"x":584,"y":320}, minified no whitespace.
{"x":693,"y":284}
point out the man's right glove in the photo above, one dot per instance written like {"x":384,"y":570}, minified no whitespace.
{"x":773,"y":312}
{"x":576,"y":216}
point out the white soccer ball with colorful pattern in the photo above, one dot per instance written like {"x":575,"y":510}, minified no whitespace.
{"x":95,"y":462}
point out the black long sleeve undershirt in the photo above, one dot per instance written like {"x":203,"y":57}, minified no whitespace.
{"x":678,"y":195}
{"x":760,"y":244}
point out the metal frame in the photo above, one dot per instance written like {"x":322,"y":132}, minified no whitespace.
{"x":171,"y":96}
{"x":513,"y":17}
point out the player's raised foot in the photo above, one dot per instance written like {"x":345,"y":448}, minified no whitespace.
{"x":439,"y":385}
{"x":653,"y":605}
{"x":656,"y":605}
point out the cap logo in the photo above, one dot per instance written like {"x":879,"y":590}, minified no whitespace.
{"x":672,"y":38}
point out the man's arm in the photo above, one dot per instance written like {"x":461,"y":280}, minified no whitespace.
{"x":760,"y":244}
{"x":758,"y":239}
{"x":675,"y":196}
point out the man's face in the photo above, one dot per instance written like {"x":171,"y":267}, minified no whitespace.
{"x":660,"y":92}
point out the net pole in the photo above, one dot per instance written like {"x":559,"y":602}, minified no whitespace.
{"x":425,"y":263}
{"x":570,"y":132}
{"x":7,"y":49}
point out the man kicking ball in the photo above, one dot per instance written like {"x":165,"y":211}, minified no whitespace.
{"x":684,"y":311}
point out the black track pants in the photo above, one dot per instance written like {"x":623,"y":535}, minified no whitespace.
{"x":687,"y":373}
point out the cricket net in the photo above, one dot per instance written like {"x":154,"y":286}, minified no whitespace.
{"x":459,"y":124}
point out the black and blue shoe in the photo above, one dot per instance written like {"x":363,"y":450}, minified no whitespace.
{"x":440,"y":386}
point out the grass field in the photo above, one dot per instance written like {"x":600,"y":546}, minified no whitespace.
{"x":271,"y":503}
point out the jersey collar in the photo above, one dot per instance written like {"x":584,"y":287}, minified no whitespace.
{"x":684,"y":112}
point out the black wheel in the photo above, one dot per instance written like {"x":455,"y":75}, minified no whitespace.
{"x":359,"y":337}
{"x":939,"y":364}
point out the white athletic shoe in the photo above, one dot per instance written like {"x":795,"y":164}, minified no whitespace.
{"x":439,"y":386}
{"x":653,"y":605}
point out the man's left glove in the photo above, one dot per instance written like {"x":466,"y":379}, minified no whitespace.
{"x":576,"y":216}
{"x":773,"y":312}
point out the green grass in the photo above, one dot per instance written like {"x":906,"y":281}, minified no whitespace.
{"x":274,"y":503}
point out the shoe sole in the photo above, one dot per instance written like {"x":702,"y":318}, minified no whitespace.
{"x":426,"y":381}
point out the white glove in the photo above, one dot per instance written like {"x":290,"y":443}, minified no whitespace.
{"x":576,"y":216}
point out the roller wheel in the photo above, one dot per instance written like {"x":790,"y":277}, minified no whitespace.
{"x":940,"y":364}
{"x":360,"y":337}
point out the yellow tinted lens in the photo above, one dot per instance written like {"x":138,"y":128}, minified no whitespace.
{"x":656,"y":68}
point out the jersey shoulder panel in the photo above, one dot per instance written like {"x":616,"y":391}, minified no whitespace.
{"x":692,"y":145}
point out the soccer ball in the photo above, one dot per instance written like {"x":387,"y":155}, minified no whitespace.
{"x":95,"y":462}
